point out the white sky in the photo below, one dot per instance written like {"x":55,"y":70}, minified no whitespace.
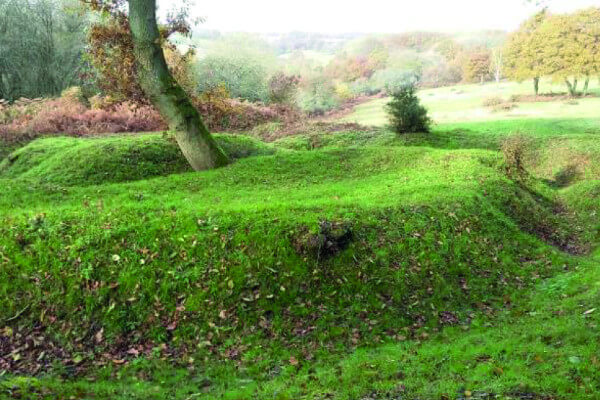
{"x":372,"y":16}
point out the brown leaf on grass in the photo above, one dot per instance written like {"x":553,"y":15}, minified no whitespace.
{"x":99,"y":336}
{"x":172,"y":326}
{"x":133,"y":352}
{"x":293,"y":361}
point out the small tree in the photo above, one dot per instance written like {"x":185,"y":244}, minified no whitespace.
{"x":406,"y":113}
{"x":477,"y":66}
{"x":283,"y":88}
{"x":497,"y":64}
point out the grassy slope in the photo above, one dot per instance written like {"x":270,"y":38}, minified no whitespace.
{"x":383,"y":194}
{"x":544,"y":347}
{"x":436,"y":230}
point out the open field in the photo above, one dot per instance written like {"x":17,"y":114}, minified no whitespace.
{"x":465,"y":103}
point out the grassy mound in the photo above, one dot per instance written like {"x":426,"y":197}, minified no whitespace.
{"x":562,"y":152}
{"x":76,"y":162}
{"x":543,"y":346}
{"x":334,"y":247}
{"x":260,"y":279}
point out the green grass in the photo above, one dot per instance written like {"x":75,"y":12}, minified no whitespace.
{"x":546,"y":348}
{"x":76,"y":162}
{"x":323,"y":265}
{"x":264,"y":205}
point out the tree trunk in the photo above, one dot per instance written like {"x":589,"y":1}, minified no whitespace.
{"x":586,"y":86}
{"x":196,"y":143}
{"x":536,"y":85}
{"x":572,"y":87}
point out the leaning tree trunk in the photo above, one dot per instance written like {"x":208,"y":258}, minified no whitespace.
{"x":586,"y":85}
{"x":536,"y":85}
{"x":196,"y":143}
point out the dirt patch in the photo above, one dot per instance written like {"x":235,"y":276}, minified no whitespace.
{"x":550,"y":221}
{"x":546,"y":97}
{"x":330,"y":239}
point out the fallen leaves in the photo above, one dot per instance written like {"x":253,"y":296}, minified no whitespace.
{"x":133,"y":352}
{"x":172,"y":326}
{"x":99,"y":336}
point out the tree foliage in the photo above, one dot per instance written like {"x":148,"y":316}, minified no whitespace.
{"x":41,"y":47}
{"x":406,"y":113}
{"x":477,"y":66}
{"x":111,"y":50}
{"x":571,"y":46}
{"x":565,"y":47}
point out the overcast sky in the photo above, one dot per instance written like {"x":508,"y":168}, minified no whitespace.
{"x":385,"y":16}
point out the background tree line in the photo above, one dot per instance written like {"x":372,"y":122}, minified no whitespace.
{"x":41,"y":47}
{"x":45,"y":47}
{"x":565,"y":47}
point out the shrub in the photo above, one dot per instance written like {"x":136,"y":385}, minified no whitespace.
{"x":74,"y":94}
{"x":504,"y":107}
{"x":244,"y":77}
{"x":318,"y":96}
{"x":498,"y":104}
{"x":283,"y":88}
{"x":28,"y":119}
{"x":406,"y":113}
{"x":69,"y":116}
{"x":493,"y":101}
{"x":343,"y":92}
{"x":393,"y":80}
{"x":221,"y":113}
{"x":514,"y":150}
{"x":442,"y":74}
{"x":364,"y":87}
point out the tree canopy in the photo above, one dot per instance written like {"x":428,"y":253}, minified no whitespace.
{"x":41,"y":47}
{"x":565,"y":47}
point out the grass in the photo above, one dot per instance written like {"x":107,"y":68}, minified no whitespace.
{"x":460,"y":104}
{"x":75,"y":162}
{"x":545,"y":350}
{"x":347,"y":265}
